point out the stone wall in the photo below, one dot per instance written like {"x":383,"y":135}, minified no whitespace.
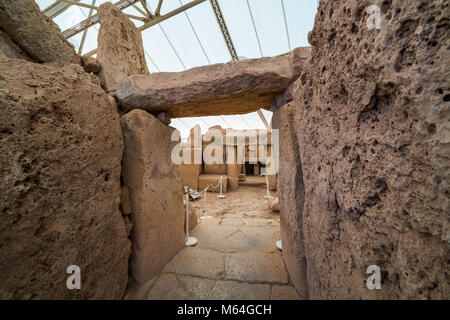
{"x":156,"y":199}
{"x":371,"y":117}
{"x":60,"y":157}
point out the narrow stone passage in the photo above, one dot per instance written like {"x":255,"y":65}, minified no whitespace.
{"x":235,"y":257}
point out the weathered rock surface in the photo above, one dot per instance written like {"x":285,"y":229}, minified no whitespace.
{"x":90,"y":64}
{"x":229,"y":88}
{"x":120,"y":49}
{"x":291,"y":193}
{"x":125,"y":201}
{"x":10,"y":49}
{"x":60,"y":157}
{"x":156,"y":198}
{"x":372,"y":110}
{"x":35,"y":33}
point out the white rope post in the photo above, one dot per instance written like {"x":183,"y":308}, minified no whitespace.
{"x":205,"y":215}
{"x":190,"y":241}
{"x":267,"y":196}
{"x":221,"y":195}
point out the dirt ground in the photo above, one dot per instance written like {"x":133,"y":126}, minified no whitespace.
{"x":235,"y":257}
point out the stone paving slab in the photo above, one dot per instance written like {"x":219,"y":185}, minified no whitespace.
{"x":233,"y":290}
{"x":167,"y":287}
{"x":232,"y":238}
{"x":214,"y":236}
{"x":284,"y":293}
{"x":198,"y":288}
{"x":256,"y":266}
{"x":136,"y":291}
{"x":197,"y":262}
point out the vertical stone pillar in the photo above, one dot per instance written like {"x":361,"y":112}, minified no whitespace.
{"x":120,"y":49}
{"x":190,"y":172}
{"x":156,"y":198}
{"x":215,"y":168}
{"x":291,"y":193}
{"x":233,"y":170}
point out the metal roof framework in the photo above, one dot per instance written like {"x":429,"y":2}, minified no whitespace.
{"x":150,"y":19}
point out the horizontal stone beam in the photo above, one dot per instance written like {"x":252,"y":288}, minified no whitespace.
{"x":220,"y":89}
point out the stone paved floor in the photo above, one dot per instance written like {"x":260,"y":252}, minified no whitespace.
{"x":235,"y":257}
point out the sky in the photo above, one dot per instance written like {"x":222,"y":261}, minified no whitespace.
{"x":193,"y":39}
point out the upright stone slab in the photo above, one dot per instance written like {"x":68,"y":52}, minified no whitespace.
{"x":156,"y":198}
{"x":190,"y":172}
{"x":35,"y":33}
{"x":233,"y":169}
{"x":120,"y":49}
{"x":225,"y":88}
{"x":209,"y":152}
{"x":291,"y":193}
{"x":60,"y":156}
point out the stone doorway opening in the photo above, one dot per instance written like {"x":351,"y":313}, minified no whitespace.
{"x":235,"y":257}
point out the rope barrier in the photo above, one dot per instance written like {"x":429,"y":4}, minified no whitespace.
{"x":190,"y":241}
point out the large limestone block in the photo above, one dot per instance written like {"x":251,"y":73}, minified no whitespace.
{"x":35,"y":33}
{"x":372,"y":111}
{"x":233,"y":169}
{"x":212,"y":163}
{"x":10,"y":49}
{"x":120,"y":49}
{"x":213,"y":180}
{"x":189,"y":175}
{"x":60,"y":158}
{"x":156,"y":198}
{"x":189,"y":172}
{"x":291,"y":196}
{"x":226,"y":88}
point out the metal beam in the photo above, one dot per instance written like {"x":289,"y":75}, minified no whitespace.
{"x":263,"y":119}
{"x":159,"y":19}
{"x":80,"y":4}
{"x":92,"y":7}
{"x":122,"y":4}
{"x":172,"y":13}
{"x":148,"y":14}
{"x":56,"y":9}
{"x":224,"y":29}
{"x":158,"y":8}
{"x":83,"y":38}
{"x":139,"y":10}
